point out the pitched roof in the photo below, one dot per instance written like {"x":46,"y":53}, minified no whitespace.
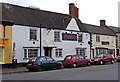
{"x":94,"y":29}
{"x":33,"y":17}
{"x":38,"y":18}
{"x":116,"y":29}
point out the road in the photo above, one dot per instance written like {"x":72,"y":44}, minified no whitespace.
{"x":95,"y":72}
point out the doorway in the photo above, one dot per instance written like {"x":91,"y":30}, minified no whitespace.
{"x":48,"y":51}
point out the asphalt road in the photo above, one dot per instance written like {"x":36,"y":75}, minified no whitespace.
{"x":96,"y":72}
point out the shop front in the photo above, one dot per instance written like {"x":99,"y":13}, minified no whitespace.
{"x":3,"y":44}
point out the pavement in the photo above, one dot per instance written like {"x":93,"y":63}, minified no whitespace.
{"x":13,"y":70}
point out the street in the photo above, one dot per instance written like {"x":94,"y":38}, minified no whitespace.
{"x":94,"y":72}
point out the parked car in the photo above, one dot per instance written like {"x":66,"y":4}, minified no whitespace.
{"x":75,"y":60}
{"x":118,"y":58}
{"x":102,"y":59}
{"x":43,"y":63}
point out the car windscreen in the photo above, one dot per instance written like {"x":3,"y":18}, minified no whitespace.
{"x":68,"y":57}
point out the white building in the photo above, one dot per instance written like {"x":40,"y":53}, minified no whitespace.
{"x":44,"y":33}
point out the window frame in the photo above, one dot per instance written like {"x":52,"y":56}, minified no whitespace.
{"x":97,"y":38}
{"x":27,"y":53}
{"x":58,"y":52}
{"x":79,"y":51}
{"x":34,"y":35}
{"x":57,"y":36}
{"x":80,"y":38}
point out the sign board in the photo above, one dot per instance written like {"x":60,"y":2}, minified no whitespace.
{"x":3,"y":42}
{"x":67,"y":36}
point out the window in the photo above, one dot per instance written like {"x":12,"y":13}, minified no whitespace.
{"x":58,"y":52}
{"x":56,"y":36}
{"x":33,"y":34}
{"x":76,"y":57}
{"x":97,"y":38}
{"x":30,"y":53}
{"x":111,"y":51}
{"x":80,"y":51}
{"x":81,"y":57}
{"x":80,"y":37}
{"x":25,"y":53}
{"x":0,"y":54}
{"x":42,"y":59}
{"x":49,"y":59}
{"x":68,"y":57}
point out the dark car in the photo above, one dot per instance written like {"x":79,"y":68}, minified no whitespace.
{"x":43,"y":63}
{"x":118,"y":58}
{"x":102,"y":59}
{"x":75,"y":60}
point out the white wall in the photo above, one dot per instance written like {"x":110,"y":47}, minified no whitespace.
{"x":20,"y":35}
{"x":69,"y":47}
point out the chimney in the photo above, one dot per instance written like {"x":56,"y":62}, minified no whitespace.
{"x":102,"y":23}
{"x":73,"y":10}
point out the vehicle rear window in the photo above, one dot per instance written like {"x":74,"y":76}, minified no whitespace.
{"x":68,"y":57}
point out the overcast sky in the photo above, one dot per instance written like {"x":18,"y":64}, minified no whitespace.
{"x":90,"y":11}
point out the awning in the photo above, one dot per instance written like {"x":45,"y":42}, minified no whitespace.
{"x":49,"y":46}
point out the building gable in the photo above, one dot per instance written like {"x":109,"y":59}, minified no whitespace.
{"x":73,"y":25}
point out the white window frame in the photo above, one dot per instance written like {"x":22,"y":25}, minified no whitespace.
{"x":79,"y":51}
{"x":56,"y":36}
{"x":58,"y":52}
{"x":80,"y":37}
{"x":97,"y":38}
{"x":27,"y":53}
{"x":34,"y":34}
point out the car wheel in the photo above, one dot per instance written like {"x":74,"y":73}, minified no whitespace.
{"x":74,"y":65}
{"x":88,"y":64}
{"x":112,"y":61}
{"x":101,"y":62}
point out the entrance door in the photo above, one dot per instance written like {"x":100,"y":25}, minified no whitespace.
{"x":0,"y":54}
{"x":48,"y":51}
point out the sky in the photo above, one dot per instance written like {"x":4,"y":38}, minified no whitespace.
{"x":90,"y":11}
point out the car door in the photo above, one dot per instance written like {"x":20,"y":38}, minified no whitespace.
{"x":105,"y":57}
{"x":43,"y":62}
{"x":81,"y":60}
{"x":51,"y":62}
{"x":77,"y":59}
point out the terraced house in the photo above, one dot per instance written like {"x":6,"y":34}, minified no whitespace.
{"x":33,"y":32}
{"x":103,"y":39}
{"x":117,"y":31}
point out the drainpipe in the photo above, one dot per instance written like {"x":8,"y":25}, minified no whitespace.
{"x":40,"y":40}
{"x":90,"y":44}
